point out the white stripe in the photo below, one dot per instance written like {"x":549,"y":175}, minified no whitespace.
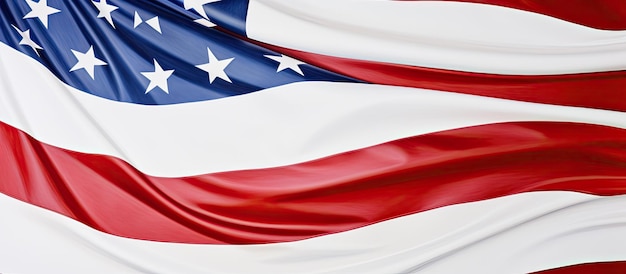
{"x":278,"y":126}
{"x":437,"y":34}
{"x":513,"y":234}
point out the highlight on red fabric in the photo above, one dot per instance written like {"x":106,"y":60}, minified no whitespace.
{"x":328,"y":195}
{"x":592,"y":90}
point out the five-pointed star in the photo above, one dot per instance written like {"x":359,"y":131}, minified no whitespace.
{"x":105,"y":10}
{"x":158,"y":78}
{"x":286,"y":62}
{"x":152,"y":22}
{"x":215,"y":68}
{"x":40,"y":10}
{"x":26,"y":40}
{"x":87,"y":61}
{"x":197,"y":5}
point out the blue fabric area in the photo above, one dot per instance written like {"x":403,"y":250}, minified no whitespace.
{"x":128,"y":51}
{"x":228,"y":14}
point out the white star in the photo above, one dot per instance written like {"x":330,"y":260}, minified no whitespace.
{"x":105,"y":10}
{"x":158,"y":78}
{"x":40,"y":10}
{"x":215,"y":68}
{"x":287,"y":62}
{"x":87,"y":61}
{"x":26,"y":40}
{"x":152,"y":22}
{"x":197,"y":5}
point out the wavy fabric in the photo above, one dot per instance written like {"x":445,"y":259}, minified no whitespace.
{"x":592,"y":90}
{"x":325,"y":119}
{"x":607,"y":15}
{"x":79,"y":29}
{"x":178,"y":140}
{"x":442,"y":35}
{"x":311,"y":136}
{"x":329,"y":195}
{"x":465,"y":57}
{"x":519,"y":234}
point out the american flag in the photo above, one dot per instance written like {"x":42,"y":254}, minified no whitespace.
{"x":312,"y":136}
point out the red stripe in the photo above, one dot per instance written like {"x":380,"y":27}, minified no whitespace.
{"x":328,"y":195}
{"x":590,"y":268}
{"x":599,"y":14}
{"x":602,"y":90}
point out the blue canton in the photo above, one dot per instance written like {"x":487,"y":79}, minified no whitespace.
{"x":114,"y":49}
